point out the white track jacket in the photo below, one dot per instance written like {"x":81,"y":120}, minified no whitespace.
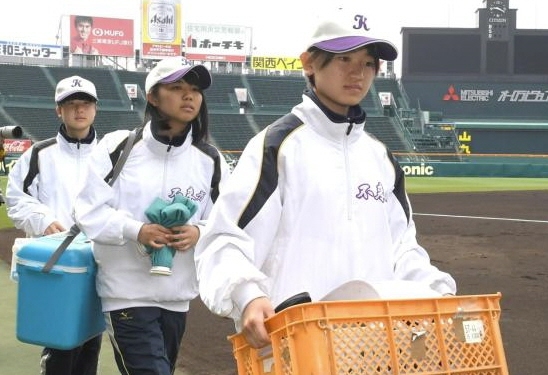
{"x":53,"y":190}
{"x":112,"y":217}
{"x":314,"y":202}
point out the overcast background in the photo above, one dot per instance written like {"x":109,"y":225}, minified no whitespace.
{"x":280,"y":28}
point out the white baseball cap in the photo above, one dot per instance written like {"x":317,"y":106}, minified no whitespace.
{"x":74,"y":85}
{"x":343,"y":32}
{"x":172,"y":69}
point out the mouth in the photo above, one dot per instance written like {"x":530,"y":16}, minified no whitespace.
{"x":354,"y":87}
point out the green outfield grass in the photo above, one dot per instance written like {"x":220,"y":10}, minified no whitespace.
{"x":5,"y":222}
{"x":470,"y":184}
{"x":415,"y":185}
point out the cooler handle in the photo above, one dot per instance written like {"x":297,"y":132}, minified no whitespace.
{"x":73,"y":232}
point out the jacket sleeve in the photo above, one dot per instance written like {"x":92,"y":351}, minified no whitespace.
{"x":26,"y":211}
{"x":229,"y":256}
{"x":94,"y":208}
{"x":411,"y":260}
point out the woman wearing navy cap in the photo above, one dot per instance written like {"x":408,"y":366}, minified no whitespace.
{"x":39,"y":201}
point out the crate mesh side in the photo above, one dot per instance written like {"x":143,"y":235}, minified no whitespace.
{"x":248,"y":357}
{"x":433,"y":342}
{"x":363,"y":346}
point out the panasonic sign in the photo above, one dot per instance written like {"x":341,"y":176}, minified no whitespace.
{"x":418,"y":170}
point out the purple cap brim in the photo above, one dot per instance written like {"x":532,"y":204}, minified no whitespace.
{"x":385,"y":49}
{"x":201,"y":72}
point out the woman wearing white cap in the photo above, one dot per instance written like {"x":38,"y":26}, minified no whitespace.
{"x":145,"y":312}
{"x":314,"y":201}
{"x":39,"y":201}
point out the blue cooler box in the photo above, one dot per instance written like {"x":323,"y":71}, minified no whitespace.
{"x":59,"y":309}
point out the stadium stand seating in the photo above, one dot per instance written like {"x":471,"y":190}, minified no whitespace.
{"x":107,"y":121}
{"x":230,"y":131}
{"x":126,"y":76}
{"x":37,"y":123}
{"x":221,"y":94}
{"x":275,"y":92}
{"x":384,"y":128}
{"x":22,"y":80}
{"x":26,"y":99}
{"x":392,"y":86}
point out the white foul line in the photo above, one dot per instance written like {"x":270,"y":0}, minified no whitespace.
{"x":486,"y":218}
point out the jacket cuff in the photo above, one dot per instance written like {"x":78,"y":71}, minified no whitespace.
{"x":131,"y":229}
{"x":245,"y":293}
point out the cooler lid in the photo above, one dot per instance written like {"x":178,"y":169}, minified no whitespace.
{"x":39,"y":251}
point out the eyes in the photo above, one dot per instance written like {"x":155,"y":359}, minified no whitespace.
{"x":182,"y":86}
{"x":368,"y":62}
{"x":74,"y":104}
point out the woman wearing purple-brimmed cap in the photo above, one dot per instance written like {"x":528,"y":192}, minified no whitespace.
{"x":146,"y":311}
{"x":315,"y":201}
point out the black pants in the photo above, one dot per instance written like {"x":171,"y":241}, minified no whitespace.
{"x":78,"y":361}
{"x":146,"y":340}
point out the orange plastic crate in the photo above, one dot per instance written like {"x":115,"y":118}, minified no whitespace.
{"x":428,"y":336}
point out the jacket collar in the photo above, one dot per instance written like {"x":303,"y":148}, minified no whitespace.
{"x":328,"y":124}
{"x":355,"y":115}
{"x":175,"y":141}
{"x":87,"y":140}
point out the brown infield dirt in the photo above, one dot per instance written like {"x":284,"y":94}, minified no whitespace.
{"x":479,"y":242}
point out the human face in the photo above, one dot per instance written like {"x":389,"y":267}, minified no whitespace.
{"x":84,"y":29}
{"x":179,"y":102}
{"x":344,"y":81}
{"x":78,"y":116}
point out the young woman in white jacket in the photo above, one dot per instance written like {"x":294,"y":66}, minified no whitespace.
{"x":145,"y":312}
{"x":314,"y":201}
{"x":41,"y":191}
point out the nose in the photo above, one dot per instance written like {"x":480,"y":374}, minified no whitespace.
{"x":187,"y":95}
{"x":359,"y":70}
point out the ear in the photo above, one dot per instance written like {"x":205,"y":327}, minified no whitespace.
{"x":152,"y":99}
{"x":58,"y":111}
{"x":307,"y":64}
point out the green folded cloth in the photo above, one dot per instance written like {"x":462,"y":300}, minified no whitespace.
{"x":168,"y":214}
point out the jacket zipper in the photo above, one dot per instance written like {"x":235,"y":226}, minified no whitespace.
{"x":347,"y":172}
{"x":166,"y":161}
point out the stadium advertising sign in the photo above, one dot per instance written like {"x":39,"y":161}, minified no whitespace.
{"x":277,"y":63}
{"x":207,"y":42}
{"x":160,"y":28}
{"x":101,"y":36}
{"x":16,"y":146}
{"x":41,"y":51}
{"x":422,"y":169}
{"x":13,"y":148}
{"x":525,"y":95}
